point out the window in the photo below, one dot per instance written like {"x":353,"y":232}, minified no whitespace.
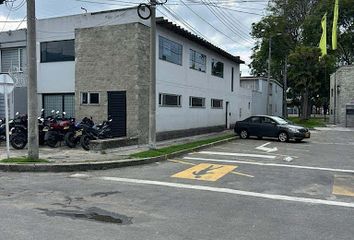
{"x":58,"y":51}
{"x":12,"y":60}
{"x":268,"y":120}
{"x":217,"y":68}
{"x":90,"y":98}
{"x":169,"y":100}
{"x":197,"y":102}
{"x":331,"y":92}
{"x":197,"y":61}
{"x":170,"y":51}
{"x":253,"y":119}
{"x":59,"y":102}
{"x":216,"y":103}
{"x":249,"y":105}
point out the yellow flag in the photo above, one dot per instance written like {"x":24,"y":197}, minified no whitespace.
{"x":323,"y":42}
{"x":335,"y":23}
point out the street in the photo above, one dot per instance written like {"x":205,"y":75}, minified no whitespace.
{"x":244,"y":189}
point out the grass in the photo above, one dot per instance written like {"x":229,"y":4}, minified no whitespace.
{"x":310,"y":123}
{"x":23,"y":160}
{"x":179,"y":147}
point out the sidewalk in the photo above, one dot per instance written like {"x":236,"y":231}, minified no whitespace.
{"x":66,"y":156}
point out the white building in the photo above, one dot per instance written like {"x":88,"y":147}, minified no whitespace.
{"x":13,"y":61}
{"x":258,"y":85}
{"x":198,"y":84}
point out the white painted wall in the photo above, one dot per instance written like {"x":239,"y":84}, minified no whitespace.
{"x":259,"y":96}
{"x":176,"y":79}
{"x":59,"y":77}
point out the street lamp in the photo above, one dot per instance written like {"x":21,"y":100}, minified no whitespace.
{"x":269,"y":69}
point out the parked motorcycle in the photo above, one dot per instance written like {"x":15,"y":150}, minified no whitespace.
{"x":90,"y":133}
{"x":57,"y":129}
{"x":72,"y":137}
{"x":19,"y":131}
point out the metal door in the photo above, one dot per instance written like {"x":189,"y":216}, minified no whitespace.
{"x":117,"y":111}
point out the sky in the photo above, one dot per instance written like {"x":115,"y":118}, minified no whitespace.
{"x":225,"y":23}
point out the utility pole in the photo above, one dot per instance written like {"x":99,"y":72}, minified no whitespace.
{"x":33,"y":151}
{"x":285,"y":88}
{"x":152,"y":102}
{"x":268,"y":79}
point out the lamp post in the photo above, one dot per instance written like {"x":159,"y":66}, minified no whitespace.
{"x":269,"y":112}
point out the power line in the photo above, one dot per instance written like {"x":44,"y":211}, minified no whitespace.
{"x":7,"y":18}
{"x":203,"y":19}
{"x":225,"y":21}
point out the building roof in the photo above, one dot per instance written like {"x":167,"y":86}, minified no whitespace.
{"x":251,"y":78}
{"x":192,"y":37}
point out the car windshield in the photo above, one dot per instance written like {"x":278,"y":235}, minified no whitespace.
{"x":280,"y":120}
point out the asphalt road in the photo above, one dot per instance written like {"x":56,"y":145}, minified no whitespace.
{"x":246,"y":189}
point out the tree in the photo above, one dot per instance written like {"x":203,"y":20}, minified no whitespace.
{"x":304,"y":73}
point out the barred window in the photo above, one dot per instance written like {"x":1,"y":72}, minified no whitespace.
{"x":197,"y":102}
{"x":216,"y":103}
{"x":169,"y":100}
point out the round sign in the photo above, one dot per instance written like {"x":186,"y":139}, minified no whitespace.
{"x":6,"y":83}
{"x":144,"y":11}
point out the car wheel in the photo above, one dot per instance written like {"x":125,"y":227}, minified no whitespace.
{"x":283,"y":137}
{"x":244,"y":134}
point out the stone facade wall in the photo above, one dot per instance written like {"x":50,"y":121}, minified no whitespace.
{"x":114,"y":58}
{"x":341,"y":94}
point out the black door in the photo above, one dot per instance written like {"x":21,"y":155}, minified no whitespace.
{"x":227,"y":116}
{"x":117,"y":111}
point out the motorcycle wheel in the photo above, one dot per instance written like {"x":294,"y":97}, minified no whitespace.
{"x":18,"y":141}
{"x":52,"y":141}
{"x":70,"y":139}
{"x":85,"y":142}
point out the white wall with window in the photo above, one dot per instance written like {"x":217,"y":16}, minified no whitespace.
{"x":204,"y":81}
{"x":56,"y":47}
{"x":258,"y":85}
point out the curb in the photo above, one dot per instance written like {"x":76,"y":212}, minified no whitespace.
{"x":71,"y":167}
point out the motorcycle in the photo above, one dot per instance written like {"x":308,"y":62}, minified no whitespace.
{"x":57,"y":129}
{"x":90,"y":133}
{"x":72,"y":137}
{"x":19,"y":132}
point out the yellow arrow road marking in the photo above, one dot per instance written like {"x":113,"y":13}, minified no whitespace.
{"x":205,"y":171}
{"x":193,"y":164}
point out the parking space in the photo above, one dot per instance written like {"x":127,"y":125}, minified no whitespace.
{"x":317,"y":169}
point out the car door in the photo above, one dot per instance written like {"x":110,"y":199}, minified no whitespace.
{"x":269,"y":127}
{"x":254,"y":126}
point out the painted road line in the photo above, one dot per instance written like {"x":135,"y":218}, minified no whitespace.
{"x":189,"y":163}
{"x":238,"y":154}
{"x":205,"y":172}
{"x":252,"y":151}
{"x":264,"y":148}
{"x":231,"y":191}
{"x":270,"y":164}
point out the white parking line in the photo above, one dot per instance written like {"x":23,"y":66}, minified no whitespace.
{"x":238,"y":154}
{"x":231,"y":191}
{"x":270,"y":164}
